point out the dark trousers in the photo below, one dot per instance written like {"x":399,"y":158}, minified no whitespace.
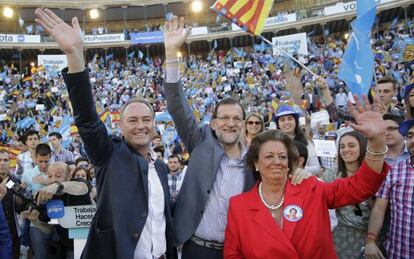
{"x":191,"y":251}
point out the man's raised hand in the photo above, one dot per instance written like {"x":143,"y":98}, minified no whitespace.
{"x":69,"y":38}
{"x":174,"y":36}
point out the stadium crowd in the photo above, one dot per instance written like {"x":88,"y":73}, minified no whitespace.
{"x":42,"y":150}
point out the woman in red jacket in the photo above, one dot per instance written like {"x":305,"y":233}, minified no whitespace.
{"x":278,"y":220}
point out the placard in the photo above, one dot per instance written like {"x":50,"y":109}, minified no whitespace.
{"x":78,"y":216}
{"x":325,"y":148}
{"x":294,"y":43}
{"x":40,"y":107}
{"x":55,"y":62}
{"x":321,"y":117}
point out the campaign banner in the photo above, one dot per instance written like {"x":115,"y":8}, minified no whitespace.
{"x":77,"y":216}
{"x":147,"y":37}
{"x":280,"y":19}
{"x":19,"y":38}
{"x":293,"y":44}
{"x":275,"y":20}
{"x":104,"y":38}
{"x":342,"y":7}
{"x":54,"y":62}
{"x":199,"y":31}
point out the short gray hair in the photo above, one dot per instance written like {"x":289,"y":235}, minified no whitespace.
{"x":136,"y":100}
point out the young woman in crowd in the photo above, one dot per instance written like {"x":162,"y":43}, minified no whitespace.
{"x":287,"y":120}
{"x":409,"y":101}
{"x":85,"y":173}
{"x":349,"y":235}
{"x":254,"y":125}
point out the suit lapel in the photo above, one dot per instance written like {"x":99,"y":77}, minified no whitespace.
{"x":293,"y":196}
{"x":218,"y":156}
{"x":143,"y":169}
{"x":262,"y":217}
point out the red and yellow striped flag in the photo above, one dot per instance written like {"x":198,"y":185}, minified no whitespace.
{"x":13,"y":152}
{"x":104,"y":116}
{"x":250,"y":15}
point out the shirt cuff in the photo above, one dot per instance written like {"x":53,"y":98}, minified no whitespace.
{"x":172,"y":74}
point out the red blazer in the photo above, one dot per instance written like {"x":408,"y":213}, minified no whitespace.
{"x":252,"y":232}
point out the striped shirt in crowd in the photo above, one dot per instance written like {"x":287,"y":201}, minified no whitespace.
{"x":398,"y":189}
{"x":63,"y":156}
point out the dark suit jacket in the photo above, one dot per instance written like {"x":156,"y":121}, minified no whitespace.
{"x":6,"y":248}
{"x":310,"y":236}
{"x":122,"y":181}
{"x":206,"y":154}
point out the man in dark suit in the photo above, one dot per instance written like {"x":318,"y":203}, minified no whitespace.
{"x":216,"y":171}
{"x":133,"y":217}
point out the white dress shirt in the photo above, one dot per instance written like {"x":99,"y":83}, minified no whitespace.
{"x":152,"y":242}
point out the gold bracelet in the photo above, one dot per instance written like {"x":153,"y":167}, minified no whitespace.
{"x":369,"y":150}
{"x":369,"y":241}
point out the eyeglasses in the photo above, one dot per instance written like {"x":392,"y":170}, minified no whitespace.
{"x":253,"y":123}
{"x":227,"y":119}
{"x":390,"y":129}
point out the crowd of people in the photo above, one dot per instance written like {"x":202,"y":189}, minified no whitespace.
{"x":188,"y":136}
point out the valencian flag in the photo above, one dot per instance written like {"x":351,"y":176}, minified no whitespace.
{"x":250,"y":15}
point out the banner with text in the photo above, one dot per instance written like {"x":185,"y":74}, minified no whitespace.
{"x":10,"y":38}
{"x":293,"y":44}
{"x":199,"y":31}
{"x":280,"y":19}
{"x":104,"y":38}
{"x":147,"y":37}
{"x":54,"y":62}
{"x":346,"y":7}
{"x":275,"y":20}
{"x":78,"y":216}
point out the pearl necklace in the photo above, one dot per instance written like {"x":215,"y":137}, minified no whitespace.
{"x":270,"y":207}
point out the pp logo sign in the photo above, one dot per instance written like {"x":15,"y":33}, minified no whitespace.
{"x":55,"y":209}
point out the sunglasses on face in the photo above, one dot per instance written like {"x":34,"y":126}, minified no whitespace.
{"x":253,"y":122}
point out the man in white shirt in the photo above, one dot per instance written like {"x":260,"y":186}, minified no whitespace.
{"x":25,"y":161}
{"x":341,"y":99}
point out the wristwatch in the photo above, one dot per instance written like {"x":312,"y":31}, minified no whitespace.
{"x":59,"y":190}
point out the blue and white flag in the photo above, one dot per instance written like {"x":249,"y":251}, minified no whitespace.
{"x":131,"y":55}
{"x":357,"y":66}
{"x":140,"y":54}
{"x":215,"y":44}
{"x":109,"y":57}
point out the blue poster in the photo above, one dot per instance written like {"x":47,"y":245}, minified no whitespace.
{"x":147,"y":37}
